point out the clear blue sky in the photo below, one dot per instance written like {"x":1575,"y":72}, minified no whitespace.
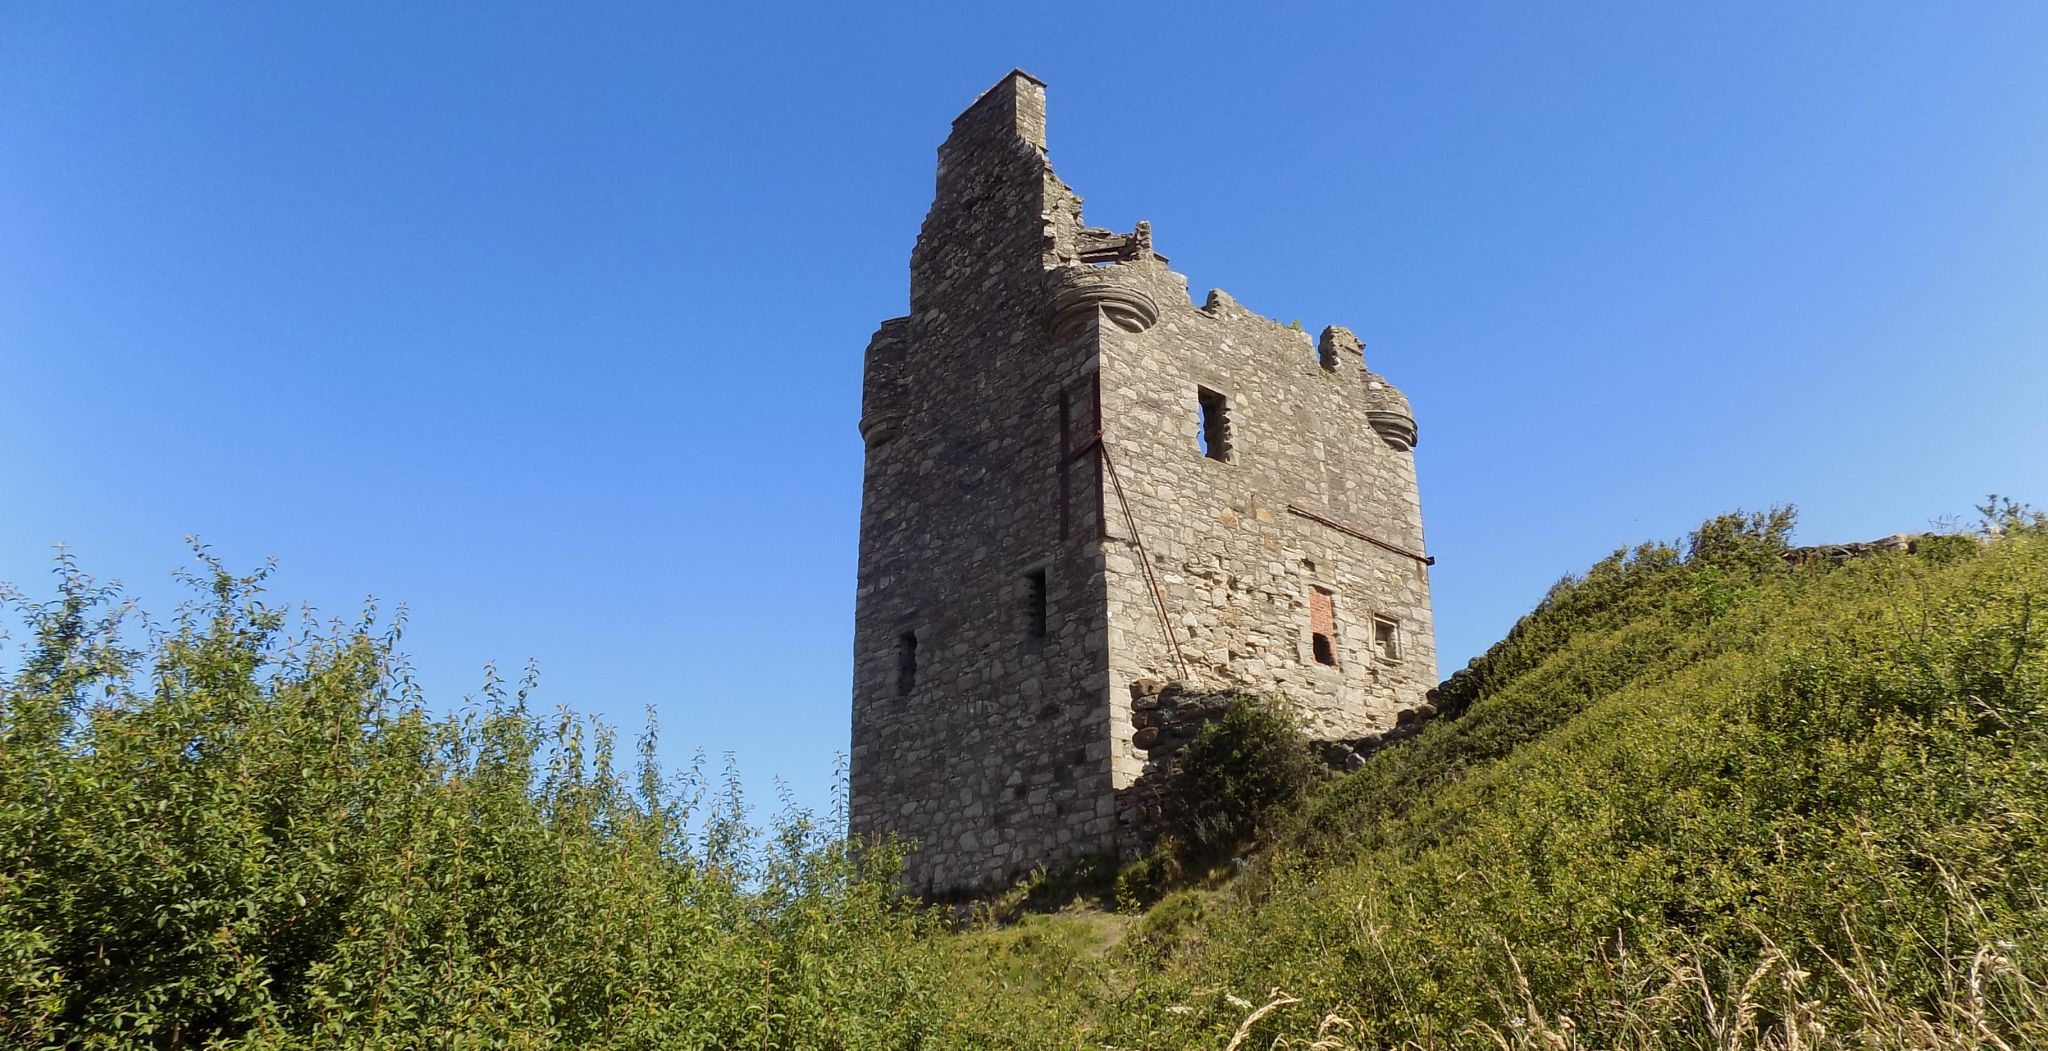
{"x":546,"y":321}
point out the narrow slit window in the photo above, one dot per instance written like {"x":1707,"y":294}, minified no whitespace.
{"x":1386,"y":638}
{"x":906,"y":663}
{"x":1215,"y":420}
{"x":1037,"y":607}
{"x":1322,"y":627}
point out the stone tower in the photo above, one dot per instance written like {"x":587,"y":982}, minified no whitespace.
{"x":1080,"y":485}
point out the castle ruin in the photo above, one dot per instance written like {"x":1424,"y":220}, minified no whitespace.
{"x":1080,"y":486}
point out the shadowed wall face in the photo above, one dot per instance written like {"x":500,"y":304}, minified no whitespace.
{"x":994,"y":753}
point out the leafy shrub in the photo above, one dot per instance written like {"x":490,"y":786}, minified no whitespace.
{"x":226,"y":835}
{"x":1246,"y":765}
{"x":2003,"y":515}
{"x":1236,"y":772}
{"x":1738,"y":542}
{"x":1945,"y":549}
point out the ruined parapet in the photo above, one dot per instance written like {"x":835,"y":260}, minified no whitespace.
{"x":1095,"y":244}
{"x":1169,"y":714}
{"x":986,"y":222}
{"x":1339,"y":350}
{"x":1351,"y":753}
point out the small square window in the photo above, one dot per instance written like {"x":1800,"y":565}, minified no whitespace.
{"x":1214,"y":437}
{"x":1386,"y":638}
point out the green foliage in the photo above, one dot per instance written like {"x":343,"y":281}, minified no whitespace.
{"x":230,"y":836}
{"x":2000,"y":515}
{"x":1945,"y":549}
{"x":1147,"y":879}
{"x":1174,"y":918}
{"x":1237,"y":771}
{"x":1698,"y":798}
{"x":1752,"y":543}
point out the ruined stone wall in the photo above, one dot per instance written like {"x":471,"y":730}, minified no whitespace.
{"x":1239,"y":545}
{"x":997,"y":757}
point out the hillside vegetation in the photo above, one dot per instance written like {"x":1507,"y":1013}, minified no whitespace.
{"x":1698,"y":798}
{"x":236,"y":836}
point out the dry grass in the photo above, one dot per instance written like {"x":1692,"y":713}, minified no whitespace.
{"x":1997,"y":1003}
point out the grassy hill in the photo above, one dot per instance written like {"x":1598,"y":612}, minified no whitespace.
{"x":1699,"y":798}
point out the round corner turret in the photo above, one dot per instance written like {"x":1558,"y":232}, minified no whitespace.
{"x":1386,"y":409}
{"x":1078,"y":294}
{"x":883,"y":385}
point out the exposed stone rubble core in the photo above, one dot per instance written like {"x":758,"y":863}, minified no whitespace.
{"x":1840,"y":553}
{"x":1076,"y":481}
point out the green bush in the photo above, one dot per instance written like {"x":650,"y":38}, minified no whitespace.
{"x":1242,"y":769}
{"x":1236,"y":773}
{"x":224,"y":835}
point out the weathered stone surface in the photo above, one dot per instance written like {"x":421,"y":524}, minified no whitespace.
{"x":1840,"y":553}
{"x":1034,"y":446}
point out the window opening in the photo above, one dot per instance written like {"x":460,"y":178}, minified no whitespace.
{"x":1322,"y":626}
{"x":1386,"y":638}
{"x":906,"y":663}
{"x":1037,"y":609}
{"x":1215,"y":418}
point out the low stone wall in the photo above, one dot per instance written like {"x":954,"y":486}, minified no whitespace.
{"x":1840,"y":553}
{"x":1351,"y":753}
{"x":1166,"y":715}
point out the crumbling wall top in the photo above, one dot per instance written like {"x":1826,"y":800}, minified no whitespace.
{"x":1016,"y":103}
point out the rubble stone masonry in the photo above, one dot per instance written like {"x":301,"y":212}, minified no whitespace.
{"x":1080,"y":486}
